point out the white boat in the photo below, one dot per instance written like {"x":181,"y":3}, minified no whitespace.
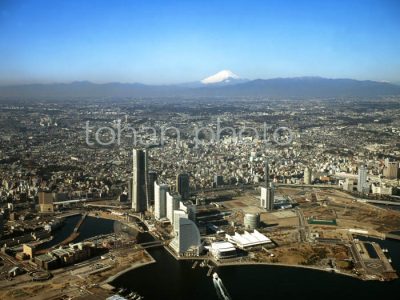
{"x":215,"y":275}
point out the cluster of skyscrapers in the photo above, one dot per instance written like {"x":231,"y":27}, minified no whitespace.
{"x":145,"y":190}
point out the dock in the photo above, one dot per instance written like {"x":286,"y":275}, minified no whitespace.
{"x":392,"y":236}
{"x":371,"y":262}
{"x":389,"y":273}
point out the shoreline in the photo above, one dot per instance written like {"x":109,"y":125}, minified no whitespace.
{"x":219,"y":264}
{"x":232,"y":264}
{"x":136,"y":265}
{"x":313,"y":268}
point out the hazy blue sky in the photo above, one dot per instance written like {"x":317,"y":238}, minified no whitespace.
{"x":179,"y":41}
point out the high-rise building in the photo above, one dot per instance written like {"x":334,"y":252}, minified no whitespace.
{"x":307,"y":175}
{"x":46,"y":202}
{"x":182,"y":185}
{"x":189,"y":208}
{"x":267,"y":192}
{"x":146,"y":177}
{"x":391,"y":169}
{"x":152,"y":177}
{"x":267,"y":198}
{"x":178,"y":214}
{"x":362,"y":184}
{"x":160,"y":201}
{"x":187,"y":240}
{"x":172,"y":204}
{"x":218,"y":180}
{"x":139,"y":180}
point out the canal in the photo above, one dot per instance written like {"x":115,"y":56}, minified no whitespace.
{"x":91,"y":227}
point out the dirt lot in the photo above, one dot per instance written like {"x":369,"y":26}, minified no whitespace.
{"x":351,"y":214}
{"x":305,"y":254}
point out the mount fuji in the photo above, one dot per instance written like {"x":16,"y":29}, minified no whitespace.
{"x":224,"y":77}
{"x":219,"y":79}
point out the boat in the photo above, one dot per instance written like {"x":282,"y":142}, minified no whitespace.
{"x":215,"y":275}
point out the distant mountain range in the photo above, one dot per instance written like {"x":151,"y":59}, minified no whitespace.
{"x":222,"y":84}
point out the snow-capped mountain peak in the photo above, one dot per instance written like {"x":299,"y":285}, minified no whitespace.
{"x":220,"y":77}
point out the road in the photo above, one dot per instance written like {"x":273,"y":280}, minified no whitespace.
{"x":303,"y":228}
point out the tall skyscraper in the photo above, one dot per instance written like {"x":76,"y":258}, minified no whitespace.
{"x":267,"y":198}
{"x":267,"y":192}
{"x":139,"y":180}
{"x":362,"y":185}
{"x":172,"y":204}
{"x":160,"y":200}
{"x":187,"y":236}
{"x":307,"y":175}
{"x":146,"y":177}
{"x":152,"y":177}
{"x":182,"y":185}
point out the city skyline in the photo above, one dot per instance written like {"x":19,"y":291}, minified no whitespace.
{"x":199,"y":149}
{"x":155,"y":43}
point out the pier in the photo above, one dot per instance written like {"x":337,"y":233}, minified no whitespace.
{"x":392,"y":236}
{"x":75,"y":232}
